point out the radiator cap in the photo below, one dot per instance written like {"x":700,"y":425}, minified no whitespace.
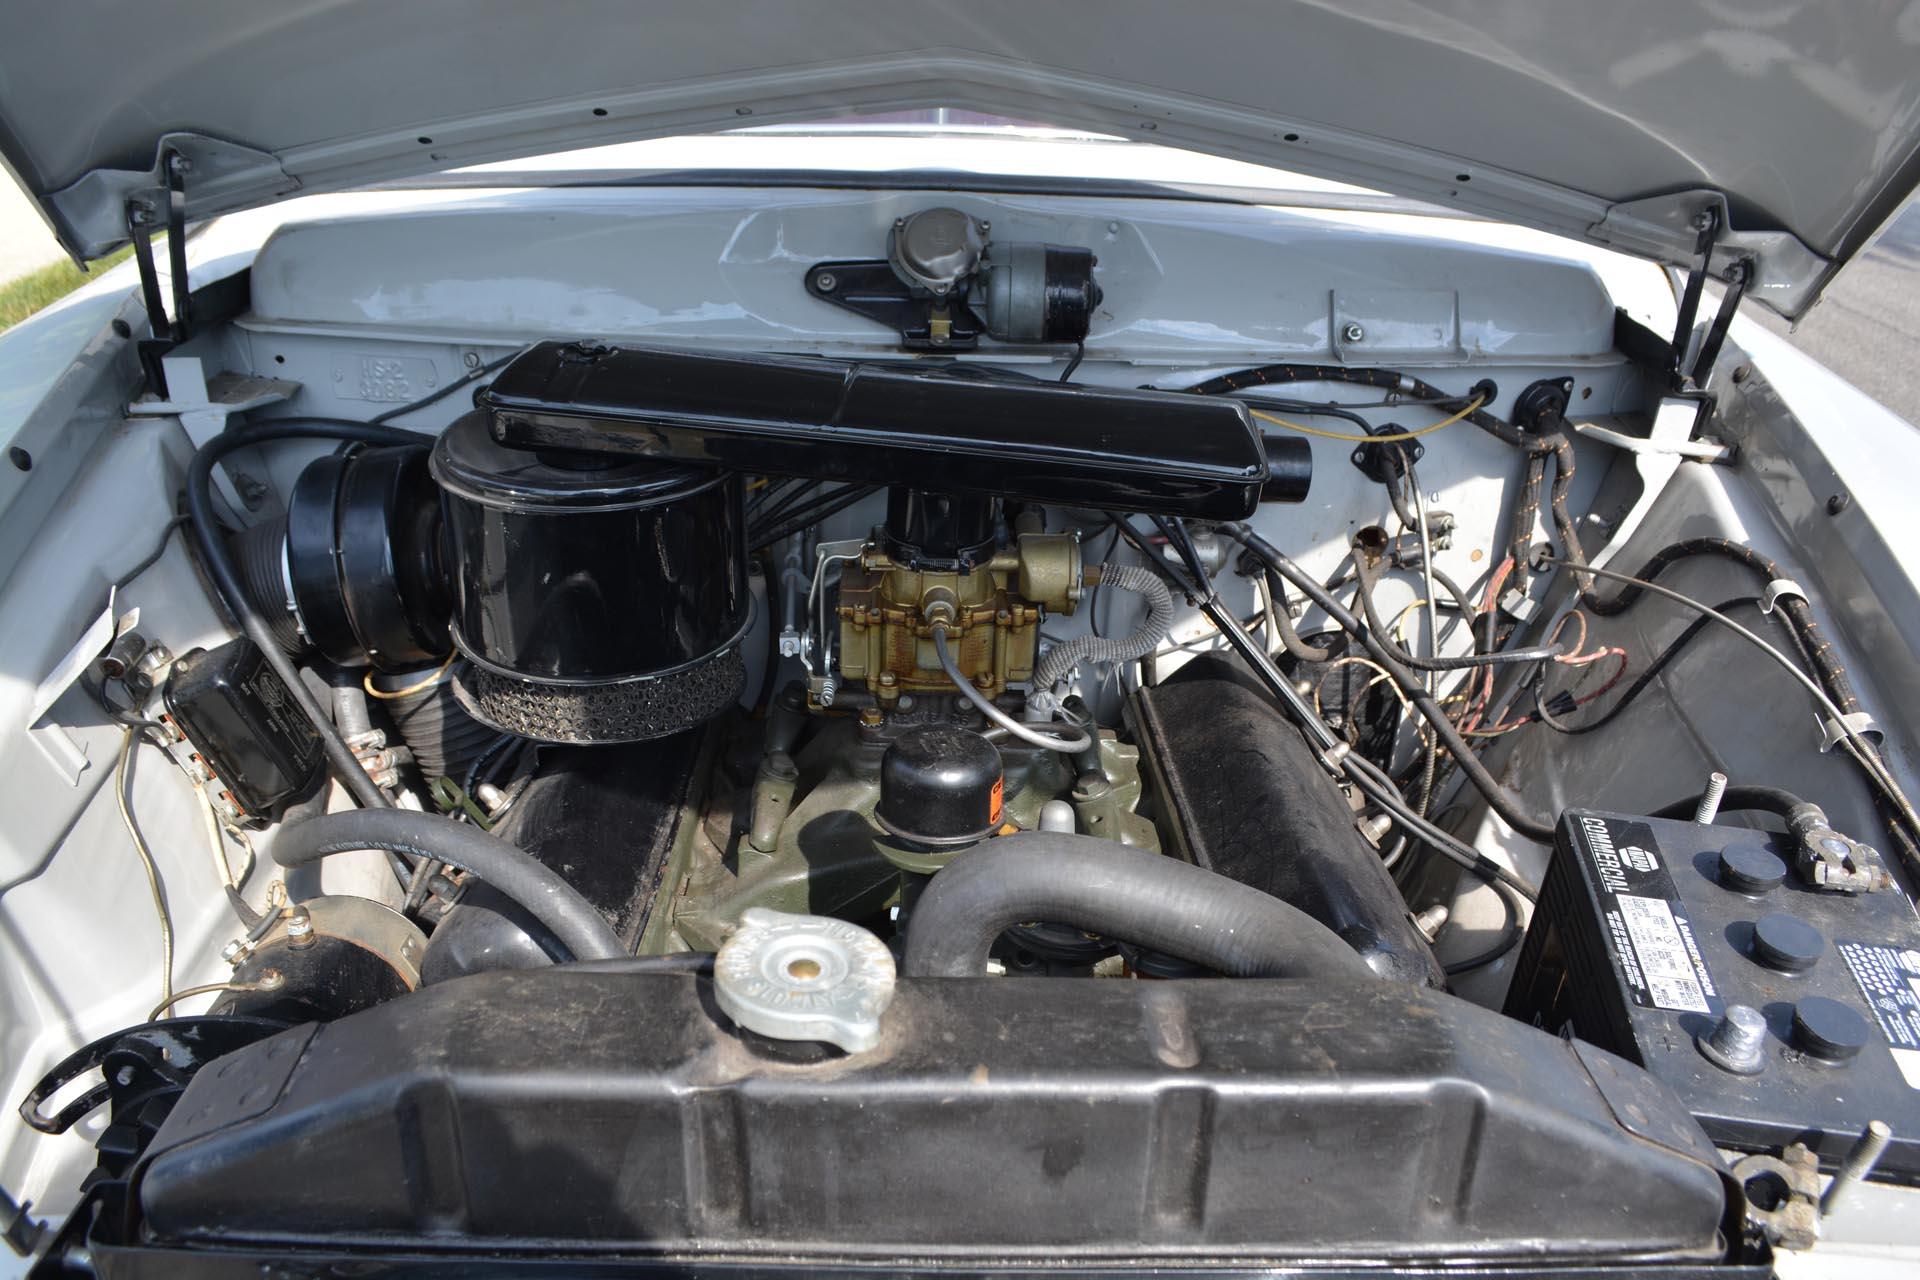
{"x":794,"y":977}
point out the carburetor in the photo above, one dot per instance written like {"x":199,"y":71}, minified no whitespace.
{"x":949,"y":560}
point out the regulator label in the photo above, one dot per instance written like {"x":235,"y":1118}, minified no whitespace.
{"x":1889,"y":978}
{"x":1649,"y":934}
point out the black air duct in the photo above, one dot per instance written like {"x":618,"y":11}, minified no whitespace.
{"x":1156,"y":452}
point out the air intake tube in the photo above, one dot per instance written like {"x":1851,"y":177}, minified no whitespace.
{"x":355,"y":569}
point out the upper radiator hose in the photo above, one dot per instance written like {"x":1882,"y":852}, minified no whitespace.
{"x":1129,"y":895}
{"x":1062,"y":658}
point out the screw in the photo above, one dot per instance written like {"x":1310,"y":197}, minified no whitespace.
{"x":1738,"y":1044}
{"x":826,"y":282}
{"x":1839,"y":502}
{"x":828,"y":689}
{"x":471,"y":359}
{"x":252,"y":492}
{"x":299,"y":929}
{"x":1352,"y":333}
{"x":1709,"y":807}
{"x":1859,"y":1163}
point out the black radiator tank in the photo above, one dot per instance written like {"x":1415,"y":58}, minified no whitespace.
{"x":1037,"y":1124}
{"x":1244,"y":796}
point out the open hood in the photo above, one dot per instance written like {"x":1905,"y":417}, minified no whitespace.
{"x":1791,"y":124}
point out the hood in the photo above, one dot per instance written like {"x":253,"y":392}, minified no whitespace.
{"x":1794,"y":122}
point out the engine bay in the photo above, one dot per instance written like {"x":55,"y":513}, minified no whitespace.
{"x":966,"y":756}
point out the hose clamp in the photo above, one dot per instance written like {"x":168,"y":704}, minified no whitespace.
{"x":1857,"y":725}
{"x":1779,"y":588}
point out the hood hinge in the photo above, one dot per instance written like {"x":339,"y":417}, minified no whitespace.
{"x":142,"y":217}
{"x":1691,"y":374}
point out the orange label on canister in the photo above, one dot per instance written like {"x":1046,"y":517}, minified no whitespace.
{"x":993,"y":800}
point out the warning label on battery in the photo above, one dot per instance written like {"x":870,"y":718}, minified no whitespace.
{"x":1648,"y":932}
{"x":1889,"y":978}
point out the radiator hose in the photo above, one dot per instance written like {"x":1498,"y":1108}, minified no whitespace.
{"x":507,"y":868}
{"x":1062,"y":658}
{"x":1127,"y":895}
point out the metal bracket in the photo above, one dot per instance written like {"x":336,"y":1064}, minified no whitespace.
{"x":203,"y":406}
{"x":1700,"y":450}
{"x":869,"y":287}
{"x":1779,"y":589}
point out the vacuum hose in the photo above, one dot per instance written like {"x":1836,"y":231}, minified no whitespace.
{"x":1128,"y":895}
{"x":512,"y":871}
{"x":1060,"y":660}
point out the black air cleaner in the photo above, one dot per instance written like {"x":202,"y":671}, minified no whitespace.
{"x":595,"y":598}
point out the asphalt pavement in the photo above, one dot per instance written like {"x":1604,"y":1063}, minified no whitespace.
{"x":1867,"y":325}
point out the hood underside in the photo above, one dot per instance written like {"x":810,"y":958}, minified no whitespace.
{"x":1796,"y":123}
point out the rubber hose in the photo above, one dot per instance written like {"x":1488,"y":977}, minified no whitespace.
{"x":1128,"y":895}
{"x":515,"y":873}
{"x":444,"y":738}
{"x":1290,"y":638}
{"x":1060,"y":660}
{"x":258,"y":555}
{"x":350,"y":713}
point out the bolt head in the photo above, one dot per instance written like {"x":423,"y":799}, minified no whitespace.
{"x":1352,"y":333}
{"x":826,"y":282}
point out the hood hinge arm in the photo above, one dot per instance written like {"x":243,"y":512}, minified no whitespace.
{"x":141,"y":218}
{"x":1685,"y":374}
{"x":1701,"y":370}
{"x":1706,"y":225}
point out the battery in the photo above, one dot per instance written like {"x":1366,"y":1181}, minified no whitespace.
{"x":244,"y":726}
{"x":1647,"y":931}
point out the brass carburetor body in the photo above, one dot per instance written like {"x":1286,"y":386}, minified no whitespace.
{"x":992,"y":611}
